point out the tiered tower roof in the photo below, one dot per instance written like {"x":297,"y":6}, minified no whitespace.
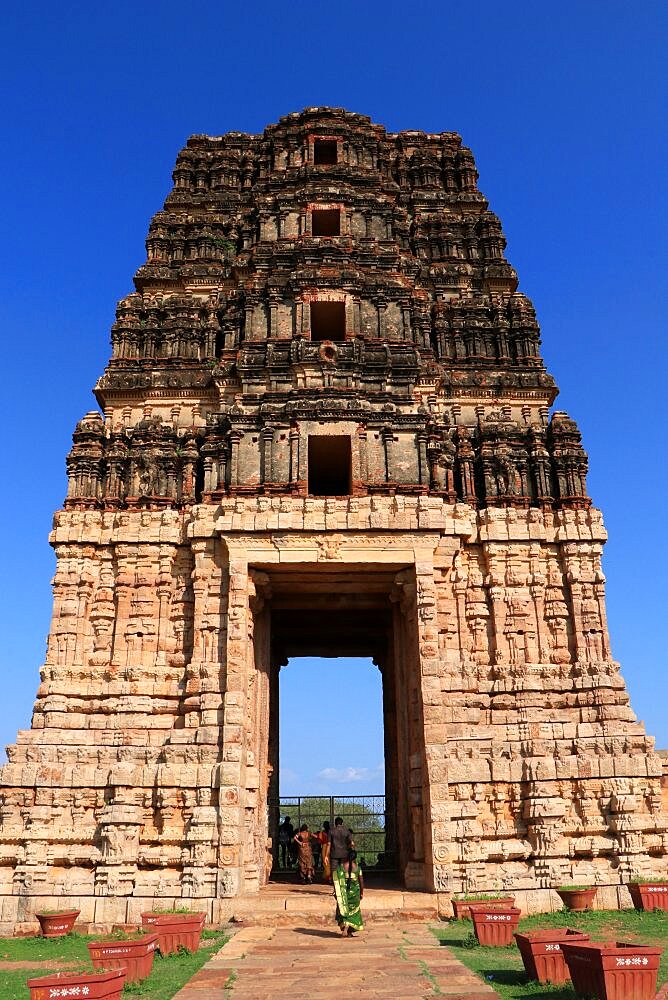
{"x":329,"y":271}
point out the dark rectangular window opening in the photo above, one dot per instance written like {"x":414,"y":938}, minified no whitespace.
{"x":325,"y":152}
{"x":329,"y":465}
{"x":328,"y":321}
{"x":326,"y":222}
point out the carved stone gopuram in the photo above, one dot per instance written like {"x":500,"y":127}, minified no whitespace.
{"x":325,"y":429}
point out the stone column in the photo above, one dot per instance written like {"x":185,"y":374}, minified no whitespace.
{"x":381,"y":307}
{"x":294,"y":453}
{"x":125,"y":579}
{"x":537,"y":584}
{"x":304,"y":318}
{"x":465,"y":459}
{"x":427,"y":868}
{"x":459,"y":579}
{"x":221,"y":469}
{"x":164,"y":589}
{"x":401,"y":596}
{"x":273,"y":756}
{"x":235,"y":439}
{"x":435,"y":786}
{"x":302,"y":471}
{"x":273,"y":315}
{"x":364,"y":456}
{"x":387,"y":436}
{"x":267,"y":440}
{"x":208,"y":474}
{"x":496,"y":587}
{"x":357,"y":317}
{"x":248,"y":319}
{"x":205,"y":675}
{"x":406,"y":320}
{"x":393,"y":803}
{"x":258,"y":775}
{"x":574,"y":578}
{"x":424,"y":475}
{"x":188,"y":474}
{"x":232,"y":770}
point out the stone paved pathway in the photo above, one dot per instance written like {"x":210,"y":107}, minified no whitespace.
{"x":388,"y":961}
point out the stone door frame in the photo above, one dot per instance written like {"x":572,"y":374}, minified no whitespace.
{"x":245,"y":782}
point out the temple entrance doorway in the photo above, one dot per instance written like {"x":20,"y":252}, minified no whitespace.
{"x":336,"y":613}
{"x":332,"y":757}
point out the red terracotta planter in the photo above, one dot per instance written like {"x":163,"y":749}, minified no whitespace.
{"x":57,"y":924}
{"x":542,"y":955}
{"x":462,"y":907}
{"x":89,"y":985}
{"x":135,"y":955}
{"x":577,"y":899}
{"x":649,"y":895}
{"x":175,"y":930}
{"x":494,"y":925}
{"x":612,"y":971}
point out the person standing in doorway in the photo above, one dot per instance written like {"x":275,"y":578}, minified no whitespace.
{"x":286,"y":832}
{"x":326,"y":869}
{"x":303,"y":841}
{"x":316,"y":845}
{"x":321,"y":851}
{"x":339,"y":839}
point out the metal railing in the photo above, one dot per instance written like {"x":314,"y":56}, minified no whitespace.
{"x":364,"y":815}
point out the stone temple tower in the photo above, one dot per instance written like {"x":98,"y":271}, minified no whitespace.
{"x":325,"y":429}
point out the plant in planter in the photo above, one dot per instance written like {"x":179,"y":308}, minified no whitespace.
{"x":106,"y":985}
{"x":494,"y":925}
{"x":175,"y":929}
{"x":56,"y":923}
{"x":577,"y":897}
{"x":651,"y":894}
{"x":132,"y":952}
{"x":542,"y":955}
{"x":612,"y":971}
{"x":461,"y":905}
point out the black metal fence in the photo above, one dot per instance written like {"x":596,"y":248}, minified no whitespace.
{"x":364,"y":815}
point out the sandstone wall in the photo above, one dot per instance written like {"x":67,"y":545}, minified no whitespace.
{"x":146,"y":771}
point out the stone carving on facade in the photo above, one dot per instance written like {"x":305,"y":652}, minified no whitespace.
{"x":102,"y":615}
{"x":514,"y":758}
{"x":476,"y":642}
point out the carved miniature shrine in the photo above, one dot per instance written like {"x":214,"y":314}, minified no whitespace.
{"x":325,"y":429}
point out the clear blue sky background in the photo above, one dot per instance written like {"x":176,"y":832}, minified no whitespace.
{"x":564,"y":106}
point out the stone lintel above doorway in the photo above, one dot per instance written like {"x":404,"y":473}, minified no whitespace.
{"x":320,"y":514}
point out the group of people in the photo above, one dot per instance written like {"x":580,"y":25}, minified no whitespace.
{"x":335,"y":849}
{"x":305,"y":850}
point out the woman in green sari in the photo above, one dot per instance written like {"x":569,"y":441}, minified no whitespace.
{"x":349,"y":890}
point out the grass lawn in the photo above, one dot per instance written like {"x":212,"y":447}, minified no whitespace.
{"x":167,"y":976}
{"x":502,"y":967}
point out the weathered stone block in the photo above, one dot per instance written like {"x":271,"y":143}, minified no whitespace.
{"x":369,"y":447}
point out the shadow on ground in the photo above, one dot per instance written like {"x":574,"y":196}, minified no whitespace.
{"x":312,"y":932}
{"x":518,"y":978}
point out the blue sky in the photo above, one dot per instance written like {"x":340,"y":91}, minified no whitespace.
{"x":564,"y":106}
{"x":316,"y":758}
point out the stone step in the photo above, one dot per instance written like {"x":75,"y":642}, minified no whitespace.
{"x":278,"y":906}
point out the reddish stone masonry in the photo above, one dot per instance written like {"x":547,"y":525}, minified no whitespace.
{"x":379,"y":476}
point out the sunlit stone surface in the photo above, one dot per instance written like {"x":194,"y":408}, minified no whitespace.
{"x":325,"y":430}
